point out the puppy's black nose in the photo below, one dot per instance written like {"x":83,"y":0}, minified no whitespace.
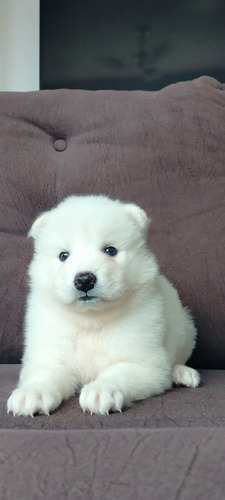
{"x":85,"y":281}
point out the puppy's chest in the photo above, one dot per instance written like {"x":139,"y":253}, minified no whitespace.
{"x":90,"y":354}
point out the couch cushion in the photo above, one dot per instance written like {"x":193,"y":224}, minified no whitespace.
{"x":127,"y":464}
{"x":164,"y":150}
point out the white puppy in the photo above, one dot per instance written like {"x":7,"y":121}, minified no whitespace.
{"x":100,"y":317}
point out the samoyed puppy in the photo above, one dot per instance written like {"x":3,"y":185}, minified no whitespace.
{"x":101,"y":320}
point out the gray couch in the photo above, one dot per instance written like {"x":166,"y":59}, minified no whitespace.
{"x":165,"y":151}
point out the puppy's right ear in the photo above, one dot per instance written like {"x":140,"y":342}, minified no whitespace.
{"x":37,"y":226}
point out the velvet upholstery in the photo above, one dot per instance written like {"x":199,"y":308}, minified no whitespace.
{"x":164,"y":150}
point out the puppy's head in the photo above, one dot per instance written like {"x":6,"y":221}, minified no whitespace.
{"x":91,"y":252}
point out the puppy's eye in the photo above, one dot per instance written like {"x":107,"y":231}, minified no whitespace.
{"x":111,"y":251}
{"x":63,"y":256}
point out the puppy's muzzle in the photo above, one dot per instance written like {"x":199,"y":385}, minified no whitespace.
{"x":85,"y":281}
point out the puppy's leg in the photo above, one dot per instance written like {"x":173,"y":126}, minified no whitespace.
{"x":122,"y":383}
{"x":184,"y":375}
{"x":41,"y":390}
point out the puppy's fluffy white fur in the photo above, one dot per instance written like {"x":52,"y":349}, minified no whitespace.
{"x":128,"y":340}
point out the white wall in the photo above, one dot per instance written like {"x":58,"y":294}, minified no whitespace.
{"x":19,"y":45}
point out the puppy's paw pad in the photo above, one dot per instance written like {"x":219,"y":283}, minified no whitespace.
{"x":97,"y":398}
{"x":24,"y":402}
{"x":184,"y":375}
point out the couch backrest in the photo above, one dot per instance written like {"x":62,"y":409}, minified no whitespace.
{"x":164,"y":150}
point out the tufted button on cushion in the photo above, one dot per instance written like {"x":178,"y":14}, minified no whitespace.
{"x":60,"y":145}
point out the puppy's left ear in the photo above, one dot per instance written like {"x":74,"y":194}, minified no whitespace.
{"x":38,"y":225}
{"x":139,"y":216}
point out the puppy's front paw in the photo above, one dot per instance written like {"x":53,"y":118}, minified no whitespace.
{"x":28,"y":401}
{"x":98,"y":397}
